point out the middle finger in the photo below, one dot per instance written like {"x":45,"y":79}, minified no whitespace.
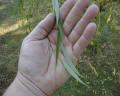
{"x":74,"y":15}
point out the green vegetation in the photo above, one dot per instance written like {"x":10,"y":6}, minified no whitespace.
{"x":100,"y":63}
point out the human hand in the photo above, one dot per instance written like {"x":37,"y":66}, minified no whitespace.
{"x":37,"y":62}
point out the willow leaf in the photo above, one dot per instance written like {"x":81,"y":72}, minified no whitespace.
{"x":70,"y":62}
{"x":73,"y":73}
{"x":60,"y":27}
{"x":56,"y":9}
{"x":58,"y":46}
{"x":60,"y":41}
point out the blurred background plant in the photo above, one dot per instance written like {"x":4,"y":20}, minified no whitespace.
{"x":100,"y":63}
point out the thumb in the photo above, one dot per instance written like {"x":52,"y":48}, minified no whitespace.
{"x":43,"y":28}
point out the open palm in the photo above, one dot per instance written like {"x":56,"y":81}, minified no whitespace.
{"x":37,"y":61}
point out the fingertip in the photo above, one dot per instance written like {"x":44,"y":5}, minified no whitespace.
{"x":95,"y":8}
{"x":50,"y":17}
{"x":47,"y":23}
{"x":92,"y":25}
{"x":85,"y":1}
{"x":89,"y":31}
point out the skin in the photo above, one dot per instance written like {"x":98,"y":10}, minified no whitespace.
{"x":38,"y":74}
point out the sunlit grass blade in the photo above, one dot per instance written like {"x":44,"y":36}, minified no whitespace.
{"x":70,"y":62}
{"x":93,"y":69}
{"x":73,"y":73}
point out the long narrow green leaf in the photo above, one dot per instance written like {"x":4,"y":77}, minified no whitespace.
{"x":70,"y":62}
{"x":58,"y":46}
{"x":60,"y":27}
{"x":60,"y":42}
{"x":60,"y":39}
{"x":73,"y":73}
{"x":56,"y":9}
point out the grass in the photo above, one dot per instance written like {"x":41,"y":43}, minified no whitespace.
{"x":100,"y":66}
{"x":11,"y":36}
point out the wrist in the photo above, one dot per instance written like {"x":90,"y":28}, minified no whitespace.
{"x":23,"y":87}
